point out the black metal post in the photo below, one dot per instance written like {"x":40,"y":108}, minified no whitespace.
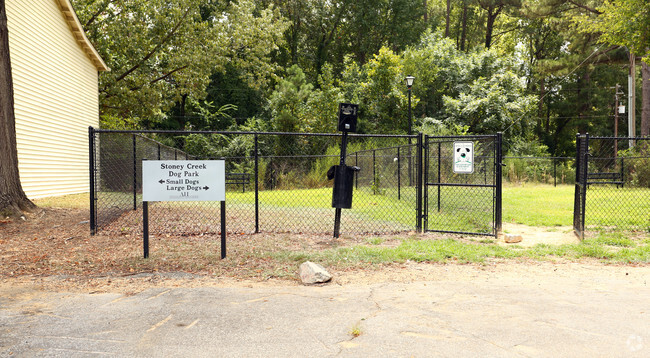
{"x":374,"y":173}
{"x":584,"y":171}
{"x":419,"y":184}
{"x":356,"y":176}
{"x":484,"y":170}
{"x":135,"y":177}
{"x":554,"y":172}
{"x":337,"y":212}
{"x":145,"y":228}
{"x":410,"y":131}
{"x":223,"y":230}
{"x":425,"y":169}
{"x":410,"y":118}
{"x":439,"y":171}
{"x":399,"y":181}
{"x":91,"y":162}
{"x":622,"y":172}
{"x":175,"y":154}
{"x":577,"y":201}
{"x":158,"y":151}
{"x":257,"y":188}
{"x":498,"y":181}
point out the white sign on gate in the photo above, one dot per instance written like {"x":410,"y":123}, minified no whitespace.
{"x":183,"y":180}
{"x":464,"y":157}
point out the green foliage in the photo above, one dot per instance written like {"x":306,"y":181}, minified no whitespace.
{"x":288,"y":102}
{"x":385,"y":103}
{"x":178,"y":64}
{"x":493,"y":101}
{"x":637,"y":167}
{"x":622,"y":22}
{"x":108,"y":121}
{"x":162,"y":51}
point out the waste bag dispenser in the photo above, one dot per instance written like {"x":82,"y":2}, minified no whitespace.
{"x":343,"y":176}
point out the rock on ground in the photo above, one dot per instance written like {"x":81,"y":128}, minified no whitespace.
{"x":311,"y":273}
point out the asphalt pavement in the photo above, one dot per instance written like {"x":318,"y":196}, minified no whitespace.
{"x":598,"y":312}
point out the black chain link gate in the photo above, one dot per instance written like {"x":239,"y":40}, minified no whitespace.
{"x":463,"y":203}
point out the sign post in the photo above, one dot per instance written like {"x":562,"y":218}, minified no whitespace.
{"x":342,"y":174}
{"x":183,"y":180}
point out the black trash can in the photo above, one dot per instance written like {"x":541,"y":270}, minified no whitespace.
{"x":343,"y":185}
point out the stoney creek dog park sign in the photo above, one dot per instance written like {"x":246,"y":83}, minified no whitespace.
{"x":183,"y":180}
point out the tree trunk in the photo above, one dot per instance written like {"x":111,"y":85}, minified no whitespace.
{"x":463,"y":36}
{"x":492,"y":14}
{"x":645,"y":107}
{"x":540,"y":104}
{"x":447,"y":18}
{"x":12,"y":197}
{"x":426,"y":11}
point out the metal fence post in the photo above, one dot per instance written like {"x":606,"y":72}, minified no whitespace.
{"x":135,"y":177}
{"x":622,"y":173}
{"x":439,"y":172}
{"x":374,"y":175}
{"x":223,"y":229}
{"x":91,"y":162}
{"x":419,"y":184}
{"x":356,"y":176}
{"x":584,"y":171}
{"x":498,"y":182}
{"x":425,"y":170}
{"x":145,"y":229}
{"x":577,"y":228}
{"x":554,"y":172}
{"x":257,"y":188}
{"x":399,"y":181}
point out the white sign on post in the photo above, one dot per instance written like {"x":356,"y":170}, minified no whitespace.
{"x":183,"y":180}
{"x":464,"y":157}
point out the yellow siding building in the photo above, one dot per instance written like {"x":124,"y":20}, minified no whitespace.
{"x":55,"y":70}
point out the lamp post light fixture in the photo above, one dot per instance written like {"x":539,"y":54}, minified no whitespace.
{"x":409,"y":83}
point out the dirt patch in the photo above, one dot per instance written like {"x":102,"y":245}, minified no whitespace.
{"x":57,"y":243}
{"x":52,"y":249}
{"x":533,"y":235}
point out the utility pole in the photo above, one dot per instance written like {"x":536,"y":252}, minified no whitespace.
{"x":631,"y":101}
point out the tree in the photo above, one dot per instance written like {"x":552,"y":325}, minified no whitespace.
{"x":625,"y":23}
{"x":163,"y":52}
{"x":492,"y":100}
{"x":12,"y":197}
{"x":383,"y":95}
{"x":493,"y":8}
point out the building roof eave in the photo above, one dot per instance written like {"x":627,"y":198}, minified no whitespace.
{"x":80,"y":35}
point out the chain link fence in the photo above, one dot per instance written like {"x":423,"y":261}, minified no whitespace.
{"x":616,"y":190}
{"x":542,"y":170}
{"x":275,"y":182}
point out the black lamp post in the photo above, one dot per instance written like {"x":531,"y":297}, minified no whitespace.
{"x":409,"y":83}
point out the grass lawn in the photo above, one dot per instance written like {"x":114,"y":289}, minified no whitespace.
{"x":461,"y":209}
{"x":607,"y":206}
{"x":538,"y":204}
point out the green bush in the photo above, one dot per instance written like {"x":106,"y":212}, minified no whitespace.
{"x":637,"y":164}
